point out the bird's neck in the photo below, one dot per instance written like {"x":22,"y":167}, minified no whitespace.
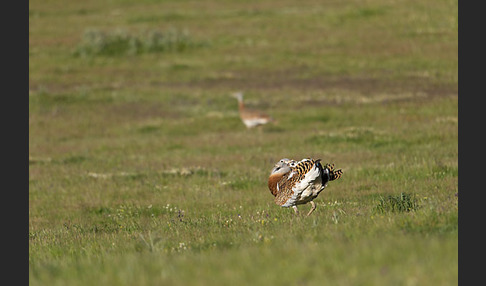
{"x":241,"y":105}
{"x":272,"y":183}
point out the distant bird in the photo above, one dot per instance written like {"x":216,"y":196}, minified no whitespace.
{"x":299,"y":182}
{"x":251,"y":118}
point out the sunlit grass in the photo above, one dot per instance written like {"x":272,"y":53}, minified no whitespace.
{"x":141,"y":172}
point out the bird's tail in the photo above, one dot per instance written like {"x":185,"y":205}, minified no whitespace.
{"x":333,"y":174}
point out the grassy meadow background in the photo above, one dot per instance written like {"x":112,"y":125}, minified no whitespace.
{"x":141,"y":172}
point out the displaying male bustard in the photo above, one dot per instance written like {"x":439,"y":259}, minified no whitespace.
{"x":299,"y":182}
{"x":251,"y":118}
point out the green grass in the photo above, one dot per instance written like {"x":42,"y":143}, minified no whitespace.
{"x":119,"y":42}
{"x":399,"y":203}
{"x":141,"y":173}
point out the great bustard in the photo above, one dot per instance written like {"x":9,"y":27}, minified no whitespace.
{"x":299,"y":182}
{"x":251,"y":118}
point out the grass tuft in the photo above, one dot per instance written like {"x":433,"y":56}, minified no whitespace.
{"x":120,"y":42}
{"x":397,"y":203}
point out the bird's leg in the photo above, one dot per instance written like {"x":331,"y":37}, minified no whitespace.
{"x":313,"y":207}
{"x":295,"y":210}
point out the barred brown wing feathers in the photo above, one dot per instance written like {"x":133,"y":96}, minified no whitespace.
{"x":304,"y":166}
{"x":285,"y":186}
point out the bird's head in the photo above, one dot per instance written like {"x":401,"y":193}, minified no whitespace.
{"x":287,"y":161}
{"x":281,"y":167}
{"x":238,"y":95}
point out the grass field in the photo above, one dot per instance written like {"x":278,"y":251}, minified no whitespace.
{"x":141,"y":172}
